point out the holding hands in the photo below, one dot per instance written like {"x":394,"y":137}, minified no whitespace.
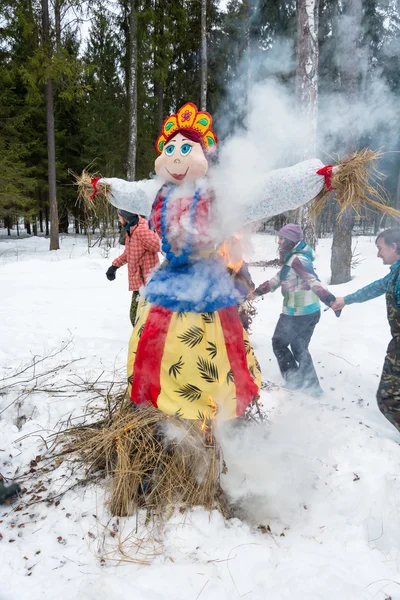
{"x":338,"y":304}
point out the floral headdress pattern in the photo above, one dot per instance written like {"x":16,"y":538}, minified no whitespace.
{"x":188,"y":117}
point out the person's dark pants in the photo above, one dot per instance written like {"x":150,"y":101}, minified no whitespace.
{"x":388,"y":395}
{"x":134,"y":305}
{"x":295,"y":363}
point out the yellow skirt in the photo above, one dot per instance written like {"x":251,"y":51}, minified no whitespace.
{"x":190,"y":364}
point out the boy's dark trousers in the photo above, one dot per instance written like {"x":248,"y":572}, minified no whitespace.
{"x":388,"y":395}
{"x":295,"y":363}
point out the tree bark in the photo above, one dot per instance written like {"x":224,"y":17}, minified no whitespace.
{"x":159,"y":77}
{"x":341,"y":249}
{"x":350,"y":63}
{"x":203,"y":89}
{"x":46,"y":217}
{"x":307,"y":92}
{"x":51,"y":146}
{"x":398,"y":191}
{"x":57,"y":22}
{"x":132,"y":93}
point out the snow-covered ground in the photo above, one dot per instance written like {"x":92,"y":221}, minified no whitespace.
{"x":324,"y":476}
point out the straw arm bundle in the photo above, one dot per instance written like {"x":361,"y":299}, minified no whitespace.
{"x":356,"y":183}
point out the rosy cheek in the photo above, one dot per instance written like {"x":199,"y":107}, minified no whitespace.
{"x":200,"y":168}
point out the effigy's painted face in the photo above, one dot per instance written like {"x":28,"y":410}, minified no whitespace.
{"x":181,"y":161}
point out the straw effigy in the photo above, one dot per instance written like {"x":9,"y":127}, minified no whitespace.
{"x":355,"y":180}
{"x":154,"y":461}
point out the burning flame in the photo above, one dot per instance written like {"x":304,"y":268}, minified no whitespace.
{"x":231,"y":252}
{"x":206,"y":426}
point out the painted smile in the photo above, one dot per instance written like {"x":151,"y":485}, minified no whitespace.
{"x":177,"y":176}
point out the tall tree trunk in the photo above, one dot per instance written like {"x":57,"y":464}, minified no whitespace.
{"x":57,"y":22}
{"x":307,"y":91}
{"x":132,"y":93}
{"x":350,"y":64}
{"x":341,"y":255}
{"x":158,"y":61}
{"x":397,"y":205}
{"x":46,"y":216}
{"x":51,"y":146}
{"x":203,"y":91}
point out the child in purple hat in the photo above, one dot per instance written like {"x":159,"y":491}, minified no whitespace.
{"x":302,"y":292}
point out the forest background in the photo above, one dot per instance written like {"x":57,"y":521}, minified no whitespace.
{"x":90,"y":83}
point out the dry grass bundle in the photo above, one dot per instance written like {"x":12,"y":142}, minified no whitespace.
{"x":86,"y":189}
{"x":247,"y":312}
{"x":155,"y":461}
{"x":356,"y":183}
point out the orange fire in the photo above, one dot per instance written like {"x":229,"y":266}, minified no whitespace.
{"x":231,"y":252}
{"x":206,"y":426}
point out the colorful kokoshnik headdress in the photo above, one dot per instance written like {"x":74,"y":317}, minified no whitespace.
{"x":189,"y":118}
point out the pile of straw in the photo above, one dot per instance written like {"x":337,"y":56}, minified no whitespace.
{"x":356,"y":182}
{"x":154,"y":461}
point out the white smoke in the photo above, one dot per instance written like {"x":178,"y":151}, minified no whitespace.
{"x":271,"y":468}
{"x":264,"y":129}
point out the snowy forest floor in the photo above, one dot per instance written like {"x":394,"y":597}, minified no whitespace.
{"x":322,"y":478}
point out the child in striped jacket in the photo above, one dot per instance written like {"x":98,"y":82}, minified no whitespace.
{"x":302,"y":292}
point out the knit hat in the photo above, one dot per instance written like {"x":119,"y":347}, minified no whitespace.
{"x":126,"y":215}
{"x":292,"y":232}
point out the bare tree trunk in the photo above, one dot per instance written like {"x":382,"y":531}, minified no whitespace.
{"x":341,"y":248}
{"x":46,"y":218}
{"x":203,"y":91}
{"x":51,"y":146}
{"x":397,"y":205}
{"x":350,"y":64}
{"x":159,"y":78}
{"x":132,"y":93}
{"x":307,"y":91}
{"x":57,"y":22}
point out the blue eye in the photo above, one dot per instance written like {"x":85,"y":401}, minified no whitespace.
{"x":186,"y":148}
{"x":170,"y":149}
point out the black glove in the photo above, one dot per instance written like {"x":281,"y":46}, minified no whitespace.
{"x":111,"y":273}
